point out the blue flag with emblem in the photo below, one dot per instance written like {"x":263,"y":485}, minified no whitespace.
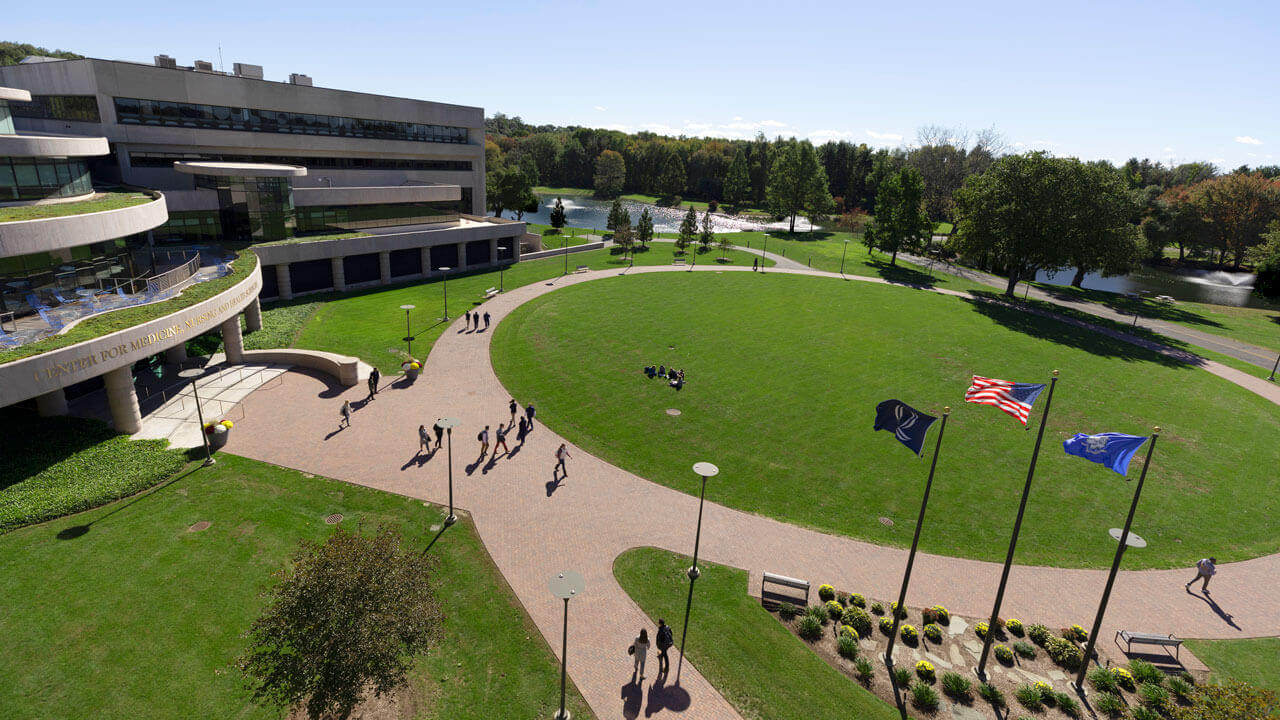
{"x":905,"y":422}
{"x":1114,"y":450}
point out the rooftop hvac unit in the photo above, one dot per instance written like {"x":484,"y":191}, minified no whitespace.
{"x":298,"y":79}
{"x":165,"y":61}
{"x":245,"y":70}
{"x":204,"y":66}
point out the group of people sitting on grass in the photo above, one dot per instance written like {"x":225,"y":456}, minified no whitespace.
{"x":674,"y":377}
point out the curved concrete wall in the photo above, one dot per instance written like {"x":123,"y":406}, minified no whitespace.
{"x":52,"y":146}
{"x":23,"y":237}
{"x":29,"y":377}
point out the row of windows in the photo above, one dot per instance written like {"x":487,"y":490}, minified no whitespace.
{"x":39,"y":178}
{"x":356,"y":217}
{"x":58,"y":107}
{"x":220,"y":117}
{"x":166,"y":160}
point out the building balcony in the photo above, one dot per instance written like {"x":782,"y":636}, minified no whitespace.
{"x":48,"y":227}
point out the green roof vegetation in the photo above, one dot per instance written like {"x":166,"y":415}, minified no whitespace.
{"x":315,"y":238}
{"x":100,"y":202}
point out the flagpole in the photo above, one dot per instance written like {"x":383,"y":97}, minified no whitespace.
{"x":911,"y":557}
{"x":1013,"y":541}
{"x":1115,"y":565}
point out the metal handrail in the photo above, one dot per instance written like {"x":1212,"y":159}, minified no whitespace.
{"x":172,"y":278}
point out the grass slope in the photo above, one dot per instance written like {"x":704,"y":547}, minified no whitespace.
{"x":758,"y":665}
{"x":1252,"y":661}
{"x":140,"y":618}
{"x":784,"y":373}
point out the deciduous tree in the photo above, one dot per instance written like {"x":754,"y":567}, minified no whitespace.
{"x":672,"y":180}
{"x":1096,"y":209}
{"x":901,"y":222}
{"x":796,"y":181}
{"x":1237,"y":208}
{"x":737,"y":183}
{"x":611,"y":174}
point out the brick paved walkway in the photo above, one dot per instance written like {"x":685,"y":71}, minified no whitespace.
{"x":533,"y":529}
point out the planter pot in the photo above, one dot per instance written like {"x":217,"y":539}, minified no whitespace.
{"x":217,"y":440}
{"x":412,"y":374}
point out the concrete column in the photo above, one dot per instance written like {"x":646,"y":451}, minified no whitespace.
{"x":123,"y":399}
{"x":253,"y":316}
{"x":339,"y":274}
{"x":462,"y":256}
{"x":232,"y":340}
{"x":426,"y":262}
{"x":493,"y":249}
{"x":176,"y":354}
{"x":52,"y":403}
{"x":384,"y":267}
{"x":283,"y":284}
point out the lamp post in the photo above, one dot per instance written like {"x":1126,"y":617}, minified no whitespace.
{"x":566,"y":254}
{"x":501,"y":268}
{"x":764,"y":251}
{"x":408,"y":334}
{"x":565,"y":585}
{"x":704,"y":470}
{"x":449,"y":424}
{"x":842,"y":254}
{"x":446,"y":270}
{"x":1272,"y":377}
{"x":191,"y":375}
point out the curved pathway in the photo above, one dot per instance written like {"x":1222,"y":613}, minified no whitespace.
{"x":534,"y":529}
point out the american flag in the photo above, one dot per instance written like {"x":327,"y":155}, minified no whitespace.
{"x":1011,"y":397}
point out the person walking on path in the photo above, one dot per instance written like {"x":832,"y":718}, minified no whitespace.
{"x":486,"y":319}
{"x":346,"y":413}
{"x":1206,"y":569}
{"x":374,"y":377}
{"x":529,"y":412}
{"x":500,"y":439}
{"x":484,"y":441}
{"x":640,"y":651}
{"x":522,"y":430}
{"x":562,"y":454}
{"x":467,"y":325}
{"x":514,"y":408}
{"x":424,"y":439}
{"x":439,"y":431}
{"x":664,"y":642}
{"x":755,"y":262}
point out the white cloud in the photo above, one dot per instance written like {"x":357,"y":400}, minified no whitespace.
{"x":883,"y":136}
{"x":1246,"y":140}
{"x":600,"y":108}
{"x":772,"y":123}
{"x":821,"y":136}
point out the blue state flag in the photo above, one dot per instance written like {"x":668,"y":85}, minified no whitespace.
{"x":905,"y":422}
{"x":1111,"y":449}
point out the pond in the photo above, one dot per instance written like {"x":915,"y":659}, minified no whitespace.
{"x":1205,"y":286}
{"x":582,"y":211}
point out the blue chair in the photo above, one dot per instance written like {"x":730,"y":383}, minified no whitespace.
{"x":51,"y":320}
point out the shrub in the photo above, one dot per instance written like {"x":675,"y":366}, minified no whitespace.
{"x":901,"y":676}
{"x":857,"y":600}
{"x":834,"y":609}
{"x":1046,"y":692}
{"x":1153,"y":695}
{"x":1015,"y":626}
{"x":1229,"y":702}
{"x":944,"y":616}
{"x":877,"y":608}
{"x":901,"y":612}
{"x":787,"y":611}
{"x":981,"y":629}
{"x":713,"y":206}
{"x":924,"y":697}
{"x":933,"y":631}
{"x":858,"y":619}
{"x":1145,"y":672}
{"x":1103,"y":680}
{"x":817,"y":612}
{"x":842,"y":597}
{"x":1123,"y":678}
{"x":991,"y":694}
{"x":1038,"y":634}
{"x":1075,"y":633}
{"x":956,"y":685}
{"x":910,"y":635}
{"x":1004,"y":654}
{"x":1145,"y":713}
{"x":1029,"y":697}
{"x":925,"y":670}
{"x":1109,"y":703}
{"x":809,"y":628}
{"x":886,"y":625}
{"x":865,"y":669}
{"x":826,"y":592}
{"x":848,"y":630}
{"x":928,"y":615}
{"x":1067,"y":704}
{"x":847,"y":646}
{"x":1064,"y":652}
{"x":1025,"y":649}
{"x":1180,"y":687}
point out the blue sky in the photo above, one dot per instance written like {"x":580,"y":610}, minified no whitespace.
{"x":1170,"y":80}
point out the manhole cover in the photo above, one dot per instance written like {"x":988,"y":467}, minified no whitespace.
{"x":333,"y":519}
{"x":673,"y":411}
{"x":886,"y":522}
{"x":202,"y":525}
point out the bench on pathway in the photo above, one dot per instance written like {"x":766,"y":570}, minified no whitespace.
{"x":581,"y":268}
{"x":1148,"y":639}
{"x":490,"y":292}
{"x":678,"y":261}
{"x":767,"y":597}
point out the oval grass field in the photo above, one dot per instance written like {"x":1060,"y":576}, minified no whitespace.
{"x":784,"y":373}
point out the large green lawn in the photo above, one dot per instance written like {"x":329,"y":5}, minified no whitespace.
{"x":140,"y":618}
{"x":784,"y":373}
{"x":369,"y":324}
{"x":1252,"y":661}
{"x":757,"y":664}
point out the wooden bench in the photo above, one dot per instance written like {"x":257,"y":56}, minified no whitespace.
{"x":678,"y":261}
{"x":1148,"y":639}
{"x":767,"y":597}
{"x":581,"y":268}
{"x":491,"y":292}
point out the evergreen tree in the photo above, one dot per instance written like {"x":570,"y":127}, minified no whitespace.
{"x":737,"y":183}
{"x":615,"y":215}
{"x":557,"y":215}
{"x":708,"y":234}
{"x":672,"y":180}
{"x":644,"y":229}
{"x":901,"y":222}
{"x":797,"y":181}
{"x":611,"y":173}
{"x":623,"y":235}
{"x":688,"y":229}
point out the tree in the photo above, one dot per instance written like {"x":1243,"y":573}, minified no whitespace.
{"x":737,"y":183}
{"x":672,"y":180}
{"x":514,"y":191}
{"x":12,"y":53}
{"x":725,"y":244}
{"x":611,"y":174}
{"x":901,"y":222}
{"x":644,"y":228}
{"x":708,"y":234}
{"x":1097,"y":234}
{"x":615,"y":215}
{"x":1266,"y":259}
{"x":623,"y":235}
{"x":557,"y":215}
{"x":1238,"y":208}
{"x":347,"y":614}
{"x":796,"y":181}
{"x":1175,"y":220}
{"x":688,"y":229}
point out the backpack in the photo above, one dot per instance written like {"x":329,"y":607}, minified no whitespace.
{"x":664,"y":637}
{"x":480,"y":436}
